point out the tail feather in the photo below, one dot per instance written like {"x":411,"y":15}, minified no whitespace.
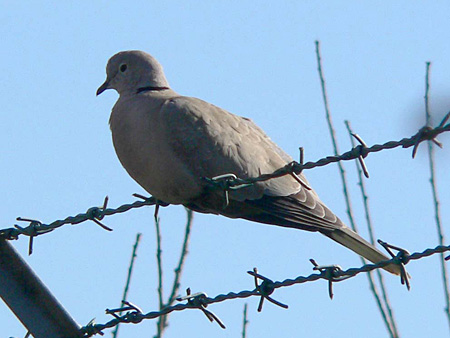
{"x":356,"y":243}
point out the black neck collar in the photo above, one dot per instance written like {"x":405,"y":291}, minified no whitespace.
{"x":150,"y":88}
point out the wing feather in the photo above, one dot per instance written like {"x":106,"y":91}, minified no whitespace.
{"x":213,"y":142}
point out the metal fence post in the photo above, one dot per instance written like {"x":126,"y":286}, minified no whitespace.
{"x":30,"y":300}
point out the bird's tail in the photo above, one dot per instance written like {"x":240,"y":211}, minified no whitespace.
{"x":353,"y":241}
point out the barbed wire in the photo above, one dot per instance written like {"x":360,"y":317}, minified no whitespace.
{"x":95,"y":214}
{"x":359,"y":152}
{"x":226,"y":182}
{"x":229,"y":182}
{"x":200,"y":300}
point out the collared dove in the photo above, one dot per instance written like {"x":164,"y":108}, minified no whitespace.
{"x":170,"y":143}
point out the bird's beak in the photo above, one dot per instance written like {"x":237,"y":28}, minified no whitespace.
{"x":103,"y":87}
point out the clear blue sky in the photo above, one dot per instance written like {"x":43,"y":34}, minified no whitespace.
{"x":255,"y":60}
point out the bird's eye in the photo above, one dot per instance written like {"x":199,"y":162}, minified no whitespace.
{"x":123,"y":67}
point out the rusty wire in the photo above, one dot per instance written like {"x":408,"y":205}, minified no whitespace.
{"x":95,"y":214}
{"x":200,"y":300}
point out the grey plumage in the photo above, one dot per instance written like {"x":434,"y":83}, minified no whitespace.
{"x":169,"y":143}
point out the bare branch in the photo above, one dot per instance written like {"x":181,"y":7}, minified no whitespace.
{"x":160,"y":323}
{"x":127,"y":284}
{"x":373,"y":287}
{"x":437,"y":212}
{"x":184,"y":251}
{"x":384,"y":304}
{"x":244,"y":322}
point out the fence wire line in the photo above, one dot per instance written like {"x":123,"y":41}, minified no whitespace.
{"x":36,"y":228}
{"x":201,"y":300}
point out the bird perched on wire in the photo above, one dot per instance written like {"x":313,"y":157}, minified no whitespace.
{"x":171,"y":144}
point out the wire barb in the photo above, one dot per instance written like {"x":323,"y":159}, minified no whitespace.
{"x":401,"y":258}
{"x":158,"y":203}
{"x":265,"y":289}
{"x":291,"y":170}
{"x":226,"y":182}
{"x":133,"y":313}
{"x":32,"y":230}
{"x":361,"y":155}
{"x":96,"y":214}
{"x":333,"y":273}
{"x":444,"y":120}
{"x":426,"y":133}
{"x":197,"y":300}
{"x":302,"y":155}
{"x":91,"y":329}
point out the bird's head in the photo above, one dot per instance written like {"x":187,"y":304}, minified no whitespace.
{"x":128,"y":71}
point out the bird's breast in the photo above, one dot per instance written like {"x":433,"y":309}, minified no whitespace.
{"x":146,"y":155}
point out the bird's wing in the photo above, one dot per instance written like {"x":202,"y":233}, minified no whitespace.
{"x":211,"y":142}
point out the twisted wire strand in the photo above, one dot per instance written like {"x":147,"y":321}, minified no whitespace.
{"x":36,"y":228}
{"x":137,"y":316}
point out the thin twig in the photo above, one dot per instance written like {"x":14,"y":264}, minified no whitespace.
{"x":333,"y":140}
{"x":244,"y":322}
{"x":385,"y":307}
{"x":179,"y":269}
{"x":159,"y":324}
{"x":345,"y":186}
{"x":184,"y":251}
{"x":437,"y":212}
{"x":127,"y":284}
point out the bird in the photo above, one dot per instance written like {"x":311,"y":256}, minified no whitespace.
{"x":174,"y":146}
